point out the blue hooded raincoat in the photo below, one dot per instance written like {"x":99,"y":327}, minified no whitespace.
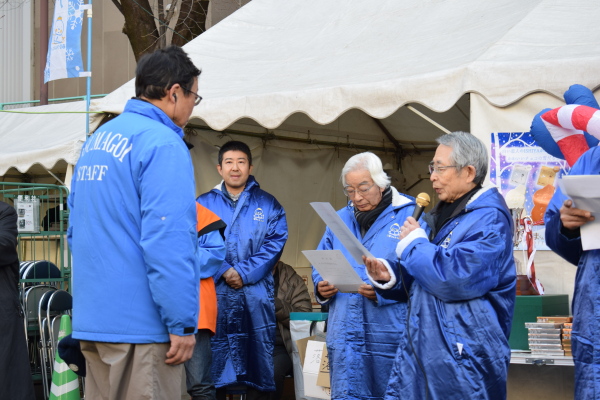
{"x":461,"y":306}
{"x":363,"y":335}
{"x":586,"y":298}
{"x":255,"y":235}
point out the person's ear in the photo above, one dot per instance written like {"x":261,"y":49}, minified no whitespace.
{"x":471,"y":173}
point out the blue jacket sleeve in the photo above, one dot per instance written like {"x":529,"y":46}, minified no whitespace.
{"x":325,"y":244}
{"x":261,"y":263}
{"x":211,"y":253}
{"x":467,"y":269}
{"x":568,"y":248}
{"x":169,"y":236}
{"x":70,"y":202}
{"x":221,"y":270}
{"x":400,"y":291}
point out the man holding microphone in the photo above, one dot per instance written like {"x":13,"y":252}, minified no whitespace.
{"x":462,"y":297}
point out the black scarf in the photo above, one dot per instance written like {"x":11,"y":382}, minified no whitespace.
{"x":366,"y":218}
{"x":445,"y":211}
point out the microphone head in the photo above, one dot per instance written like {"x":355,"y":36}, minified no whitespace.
{"x":423,"y":199}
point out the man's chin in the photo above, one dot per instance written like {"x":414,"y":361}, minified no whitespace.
{"x":236,"y":184}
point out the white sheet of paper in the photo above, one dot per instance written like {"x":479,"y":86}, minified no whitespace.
{"x":341,"y":231}
{"x":584,"y":190}
{"x":334,"y":268}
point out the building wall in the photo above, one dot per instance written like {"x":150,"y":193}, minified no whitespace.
{"x":113,"y":62}
{"x":219,"y":9}
{"x":15,"y":51}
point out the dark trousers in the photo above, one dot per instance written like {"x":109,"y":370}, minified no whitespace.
{"x":15,"y":372}
{"x":198,"y":380}
{"x":283,"y":367}
{"x":251,"y":394}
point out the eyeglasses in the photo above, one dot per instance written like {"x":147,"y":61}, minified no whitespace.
{"x":198,"y":97}
{"x":439,"y":169}
{"x":350,"y":192}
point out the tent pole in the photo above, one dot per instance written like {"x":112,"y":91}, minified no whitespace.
{"x":426,"y":118}
{"x":54,"y":176}
{"x":43,"y":50}
{"x":272,"y":136}
{"x":89,"y":71}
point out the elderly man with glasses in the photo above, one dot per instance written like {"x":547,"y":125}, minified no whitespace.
{"x":364,"y":328}
{"x":463,"y":293}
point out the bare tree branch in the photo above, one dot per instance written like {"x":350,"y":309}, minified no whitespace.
{"x":148,"y":27}
{"x":118,"y":5}
{"x":140,"y":26}
{"x":191,"y":22}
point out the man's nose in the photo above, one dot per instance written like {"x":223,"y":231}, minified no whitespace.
{"x":358,"y":196}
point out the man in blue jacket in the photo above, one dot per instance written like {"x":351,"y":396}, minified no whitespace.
{"x":563,"y":222}
{"x":463,"y":293}
{"x":133,"y":236}
{"x":255,"y":235}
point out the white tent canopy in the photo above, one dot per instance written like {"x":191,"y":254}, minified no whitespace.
{"x":341,"y":63}
{"x":41,"y":138}
{"x":344,"y":72}
{"x":274,"y":59}
{"x":308,"y":83}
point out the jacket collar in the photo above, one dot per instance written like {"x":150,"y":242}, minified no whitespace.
{"x":251,"y":183}
{"x":149,"y":110}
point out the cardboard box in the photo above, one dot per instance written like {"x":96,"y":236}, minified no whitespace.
{"x":528,"y":309}
{"x":311,"y":359}
{"x":323,"y":377}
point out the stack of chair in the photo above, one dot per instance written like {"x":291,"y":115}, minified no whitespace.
{"x":43,"y":304}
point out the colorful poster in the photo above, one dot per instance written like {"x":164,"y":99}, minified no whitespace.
{"x":526,"y":176}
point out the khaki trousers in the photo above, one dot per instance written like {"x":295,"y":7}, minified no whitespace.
{"x":122,"y":371}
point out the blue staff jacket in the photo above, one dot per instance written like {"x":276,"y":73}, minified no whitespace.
{"x":132,"y":230}
{"x":586,"y":297}
{"x":255,"y":236}
{"x":363,"y":335}
{"x":461,"y":306}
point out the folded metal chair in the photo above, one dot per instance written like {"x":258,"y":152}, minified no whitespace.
{"x":52,"y":305}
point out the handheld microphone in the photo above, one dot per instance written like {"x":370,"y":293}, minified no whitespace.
{"x":422,"y":202}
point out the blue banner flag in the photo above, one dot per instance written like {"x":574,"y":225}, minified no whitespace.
{"x":64,"y":46}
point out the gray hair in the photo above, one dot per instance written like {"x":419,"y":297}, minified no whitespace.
{"x":467,"y":150}
{"x":366,"y":161}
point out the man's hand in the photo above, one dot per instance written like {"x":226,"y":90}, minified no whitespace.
{"x":182,"y":348}
{"x":377,"y":270}
{"x":572,"y":218}
{"x":326,"y":290}
{"x":233,"y":278}
{"x":367,"y":291}
{"x":409,"y":225}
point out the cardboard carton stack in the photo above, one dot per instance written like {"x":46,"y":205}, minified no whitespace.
{"x":566,"y":338}
{"x":544,"y":338}
{"x":547,"y":335}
